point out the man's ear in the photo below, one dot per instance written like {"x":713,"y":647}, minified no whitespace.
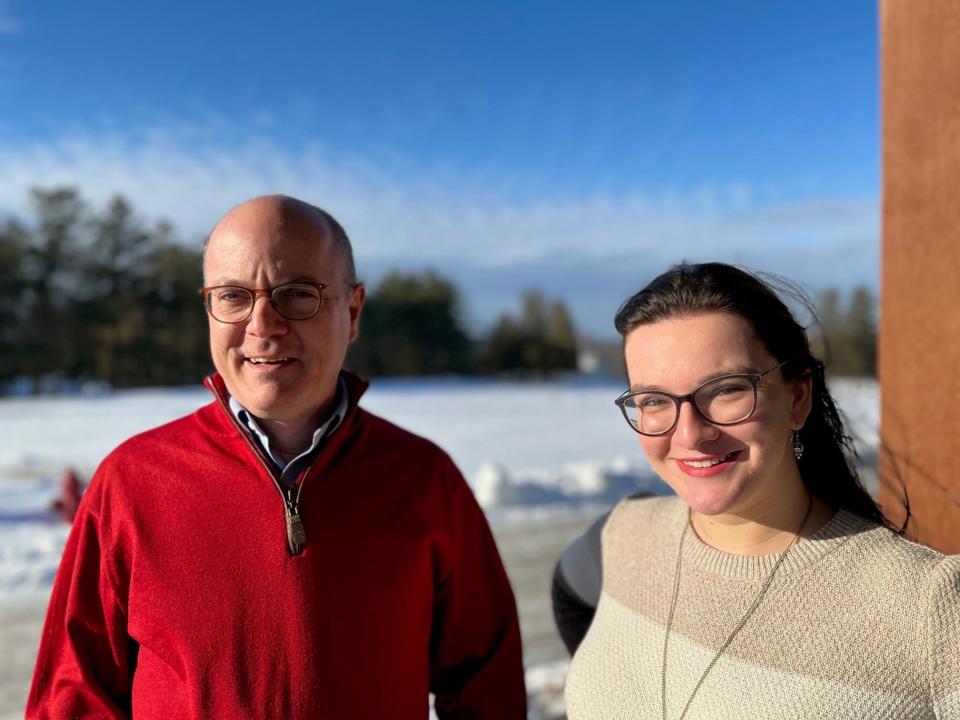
{"x":357,"y":297}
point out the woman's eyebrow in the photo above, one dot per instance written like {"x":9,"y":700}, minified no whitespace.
{"x":728,"y":370}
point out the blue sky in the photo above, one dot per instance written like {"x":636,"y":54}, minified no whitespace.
{"x":507,"y":145}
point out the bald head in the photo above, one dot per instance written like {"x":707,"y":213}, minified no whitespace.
{"x":285,"y":214}
{"x":280,"y":368}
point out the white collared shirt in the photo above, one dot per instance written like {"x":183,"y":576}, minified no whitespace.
{"x":289,"y":471}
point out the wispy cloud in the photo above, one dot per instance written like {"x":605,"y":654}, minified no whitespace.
{"x":592,"y":249}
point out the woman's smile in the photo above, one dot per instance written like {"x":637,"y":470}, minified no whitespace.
{"x":707,"y":466}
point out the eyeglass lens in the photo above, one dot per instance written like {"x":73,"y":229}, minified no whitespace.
{"x":293,"y":301}
{"x":726,"y":400}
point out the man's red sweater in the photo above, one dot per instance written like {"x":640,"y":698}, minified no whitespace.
{"x":178,"y":595}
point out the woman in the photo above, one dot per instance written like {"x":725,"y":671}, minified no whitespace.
{"x":771,"y":585}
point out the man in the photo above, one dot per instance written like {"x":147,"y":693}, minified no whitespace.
{"x":280,"y":553}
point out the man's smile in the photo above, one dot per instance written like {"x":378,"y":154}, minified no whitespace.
{"x":277,"y":360}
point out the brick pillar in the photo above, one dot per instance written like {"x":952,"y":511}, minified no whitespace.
{"x":919,"y":353}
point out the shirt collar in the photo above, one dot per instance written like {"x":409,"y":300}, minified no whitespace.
{"x":324,"y":430}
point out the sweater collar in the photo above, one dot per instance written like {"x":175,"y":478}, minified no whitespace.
{"x":324,"y":429}
{"x":356,"y":386}
{"x":834,"y":533}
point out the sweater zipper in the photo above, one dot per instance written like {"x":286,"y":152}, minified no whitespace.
{"x":296,"y":532}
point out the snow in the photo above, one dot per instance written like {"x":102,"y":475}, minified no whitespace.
{"x":527,"y":449}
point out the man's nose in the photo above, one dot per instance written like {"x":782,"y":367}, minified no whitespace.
{"x":264,"y":320}
{"x":692,"y":429}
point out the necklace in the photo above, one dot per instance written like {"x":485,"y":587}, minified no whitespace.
{"x":739,"y":626}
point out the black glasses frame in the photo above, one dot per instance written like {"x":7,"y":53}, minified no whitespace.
{"x":690,"y":397}
{"x":269,"y":292}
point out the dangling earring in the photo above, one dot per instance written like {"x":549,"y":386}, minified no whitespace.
{"x":797,"y":445}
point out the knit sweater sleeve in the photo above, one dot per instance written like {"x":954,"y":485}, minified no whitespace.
{"x":86,"y":659}
{"x":943,"y":638}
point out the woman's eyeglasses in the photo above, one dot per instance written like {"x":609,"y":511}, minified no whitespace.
{"x":725,"y":400}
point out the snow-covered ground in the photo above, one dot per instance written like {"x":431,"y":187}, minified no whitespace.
{"x":530,"y":448}
{"x":530,"y":451}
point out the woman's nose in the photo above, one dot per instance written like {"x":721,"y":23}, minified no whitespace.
{"x":692,"y":428}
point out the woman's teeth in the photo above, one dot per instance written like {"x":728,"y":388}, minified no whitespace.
{"x":707,"y":463}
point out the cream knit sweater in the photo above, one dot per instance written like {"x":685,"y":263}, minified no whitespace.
{"x":858,"y":623}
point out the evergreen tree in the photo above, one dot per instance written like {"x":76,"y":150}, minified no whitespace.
{"x":541,"y":342}
{"x":88,"y":295}
{"x":560,"y":337}
{"x":14,"y":246}
{"x":862,"y":328}
{"x":178,"y":344}
{"x":847,"y":337}
{"x":47,"y":338}
{"x":505,"y":349}
{"x":114,"y":333}
{"x":411,"y":325}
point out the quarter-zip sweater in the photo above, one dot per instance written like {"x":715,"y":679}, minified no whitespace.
{"x":193,"y":586}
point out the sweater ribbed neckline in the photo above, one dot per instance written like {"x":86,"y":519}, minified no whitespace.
{"x":836,"y":531}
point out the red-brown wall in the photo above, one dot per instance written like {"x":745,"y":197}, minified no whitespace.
{"x":919,"y":364}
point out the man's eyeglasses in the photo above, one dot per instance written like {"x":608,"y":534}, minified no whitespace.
{"x":725,"y":400}
{"x":293,"y":301}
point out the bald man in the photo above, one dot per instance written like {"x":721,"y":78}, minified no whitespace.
{"x":280,"y":553}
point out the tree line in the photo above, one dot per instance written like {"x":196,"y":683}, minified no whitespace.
{"x":90,"y":294}
{"x":846,"y":337}
{"x":412,"y":325}
{"x":98,"y":294}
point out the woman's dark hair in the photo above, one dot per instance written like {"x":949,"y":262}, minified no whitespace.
{"x":827,"y":467}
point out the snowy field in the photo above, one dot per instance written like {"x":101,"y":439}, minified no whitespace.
{"x":552,"y":454}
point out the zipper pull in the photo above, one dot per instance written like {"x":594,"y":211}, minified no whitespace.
{"x":296,"y":533}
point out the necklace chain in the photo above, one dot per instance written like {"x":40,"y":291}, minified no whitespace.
{"x":736,"y":630}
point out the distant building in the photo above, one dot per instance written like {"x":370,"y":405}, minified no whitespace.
{"x":602,"y":358}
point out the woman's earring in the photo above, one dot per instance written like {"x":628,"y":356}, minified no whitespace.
{"x":797,"y":445}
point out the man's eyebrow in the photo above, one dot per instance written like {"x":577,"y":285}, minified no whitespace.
{"x":728,"y":370}
{"x":241,"y":283}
